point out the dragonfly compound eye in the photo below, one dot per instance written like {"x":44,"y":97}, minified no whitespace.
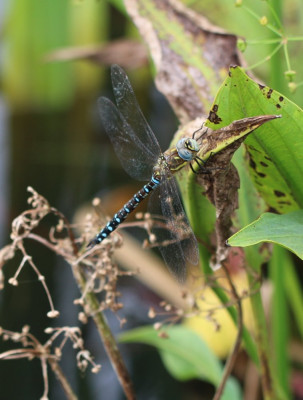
{"x":191,"y":144}
{"x":187,"y":148}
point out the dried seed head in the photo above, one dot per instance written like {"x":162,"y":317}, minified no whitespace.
{"x":157,"y":326}
{"x":13,"y":281}
{"x":96,"y":368}
{"x":151,"y":313}
{"x":82,"y":317}
{"x":25,"y":329}
{"x":53,"y":314}
{"x":58,"y":352}
{"x":163,"y":335}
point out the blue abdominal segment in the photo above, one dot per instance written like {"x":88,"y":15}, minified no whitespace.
{"x":122,"y":214}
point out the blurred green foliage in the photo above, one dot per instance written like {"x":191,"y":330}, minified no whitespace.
{"x":33,"y":30}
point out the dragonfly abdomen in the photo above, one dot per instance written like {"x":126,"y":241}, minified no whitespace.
{"x":123,"y":213}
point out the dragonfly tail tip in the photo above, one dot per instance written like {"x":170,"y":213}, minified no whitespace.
{"x":92,"y":243}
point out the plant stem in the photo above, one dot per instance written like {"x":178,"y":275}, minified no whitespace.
{"x":280,"y":320}
{"x":106,"y":336}
{"x":70,"y":395}
{"x":191,"y":208}
{"x":233,"y":355}
{"x":294,"y":292}
{"x":276,"y":69}
{"x":249,"y":344}
{"x":262,"y":345}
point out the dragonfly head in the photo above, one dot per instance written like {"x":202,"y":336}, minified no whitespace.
{"x":187,"y":148}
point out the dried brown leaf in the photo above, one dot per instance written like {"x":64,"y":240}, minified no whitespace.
{"x":191,"y":55}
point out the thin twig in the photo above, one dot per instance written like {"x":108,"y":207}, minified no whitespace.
{"x":233,"y":355}
{"x":70,"y":395}
{"x":106,"y":336}
{"x":69,"y":229}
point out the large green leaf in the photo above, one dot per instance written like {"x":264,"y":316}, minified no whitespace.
{"x":185,"y":355}
{"x":285,"y":230}
{"x":275,"y":150}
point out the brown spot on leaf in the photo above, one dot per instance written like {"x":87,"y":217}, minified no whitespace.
{"x":268,"y":158}
{"x":273,"y":210}
{"x":269,"y":93}
{"x":253,"y":148}
{"x":281,"y":98}
{"x":213,"y":116}
{"x":279,"y":194}
{"x":288,"y":203}
{"x":252,"y":164}
{"x":261,"y":175}
{"x":278,"y":106}
{"x":261,"y":87}
{"x":263,"y":164}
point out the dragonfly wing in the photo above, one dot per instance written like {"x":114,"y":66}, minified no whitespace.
{"x":177,"y":240}
{"x":130,"y":109}
{"x":132,"y":153}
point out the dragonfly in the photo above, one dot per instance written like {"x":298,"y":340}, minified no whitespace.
{"x":140,"y":154}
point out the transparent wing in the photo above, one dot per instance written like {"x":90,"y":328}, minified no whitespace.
{"x":130,"y":109}
{"x":135,"y":157}
{"x":177,"y":240}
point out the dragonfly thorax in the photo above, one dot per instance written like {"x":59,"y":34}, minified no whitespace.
{"x":187,"y":148}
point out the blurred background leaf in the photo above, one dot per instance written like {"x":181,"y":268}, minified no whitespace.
{"x":185,"y":355}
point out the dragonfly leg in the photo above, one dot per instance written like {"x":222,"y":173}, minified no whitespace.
{"x":198,"y":130}
{"x":201,"y":164}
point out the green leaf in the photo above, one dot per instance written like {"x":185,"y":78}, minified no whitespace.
{"x":276,"y":149}
{"x":285,"y":230}
{"x":185,"y":355}
{"x":251,"y":205}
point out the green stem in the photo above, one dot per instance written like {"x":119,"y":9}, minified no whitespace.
{"x":264,"y":41}
{"x":276,"y":72}
{"x":257,"y":17}
{"x":276,"y":10}
{"x":269,"y":57}
{"x":280,"y":320}
{"x":294,"y":292}
{"x":285,"y":47}
{"x":295,"y":39}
